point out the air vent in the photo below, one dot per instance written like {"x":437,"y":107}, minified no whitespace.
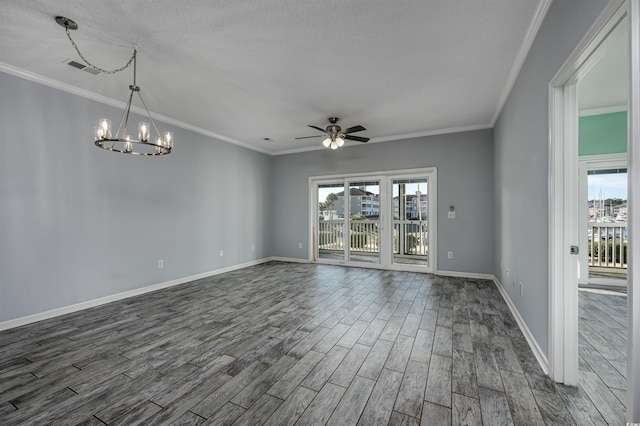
{"x":83,"y":67}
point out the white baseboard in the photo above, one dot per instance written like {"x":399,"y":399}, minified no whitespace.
{"x":533,"y":344}
{"x":17,"y":322}
{"x":472,"y":275}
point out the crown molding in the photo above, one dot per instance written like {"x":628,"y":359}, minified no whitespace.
{"x":532,"y":31}
{"x":435,"y":132}
{"x":55,"y":84}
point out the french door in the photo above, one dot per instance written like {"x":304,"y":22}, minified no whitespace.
{"x":381,"y":220}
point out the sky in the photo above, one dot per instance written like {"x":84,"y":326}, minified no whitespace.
{"x":613,"y":186}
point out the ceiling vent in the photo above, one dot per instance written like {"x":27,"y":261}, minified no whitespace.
{"x":83,"y":67}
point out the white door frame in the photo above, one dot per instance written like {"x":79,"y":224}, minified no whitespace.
{"x":386,"y":217}
{"x":633,"y":175}
{"x":563,"y":290}
{"x":586,"y":164}
{"x":563,"y":195}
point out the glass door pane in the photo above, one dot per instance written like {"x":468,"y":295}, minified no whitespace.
{"x":364,"y":221}
{"x":330,"y":223}
{"x":411,"y":221}
{"x":607,"y":227}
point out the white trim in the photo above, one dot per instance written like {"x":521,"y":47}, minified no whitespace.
{"x":434,"y":132}
{"x":17,"y":322}
{"x":633,"y":174}
{"x":583,"y":221}
{"x":556,"y":266}
{"x":532,"y":31}
{"x":606,"y":160}
{"x":533,"y":344}
{"x":401,"y":173}
{"x":603,"y":110}
{"x":570,"y":233}
{"x":55,"y":84}
{"x":595,"y":36}
{"x":37,"y":78}
{"x":586,"y":164}
{"x":470,"y":275}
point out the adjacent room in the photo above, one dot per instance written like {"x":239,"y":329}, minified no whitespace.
{"x":328,"y":212}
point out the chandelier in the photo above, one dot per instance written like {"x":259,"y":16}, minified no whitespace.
{"x":146,"y":143}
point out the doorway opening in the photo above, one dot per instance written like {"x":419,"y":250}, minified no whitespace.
{"x":569,"y":222}
{"x":384,"y":220}
{"x":604,"y":243}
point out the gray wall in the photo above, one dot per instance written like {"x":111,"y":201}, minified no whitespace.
{"x":465,"y":179}
{"x":521,"y":164}
{"x":78,"y":223}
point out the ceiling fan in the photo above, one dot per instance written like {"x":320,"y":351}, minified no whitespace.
{"x":335,"y":135}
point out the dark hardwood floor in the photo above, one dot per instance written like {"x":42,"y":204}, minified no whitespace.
{"x":600,"y":397}
{"x":284,"y":344}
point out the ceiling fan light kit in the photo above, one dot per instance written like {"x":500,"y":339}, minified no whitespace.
{"x":335,"y":135}
{"x":104,"y":138}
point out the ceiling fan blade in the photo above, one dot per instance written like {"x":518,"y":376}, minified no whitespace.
{"x":307,"y":137}
{"x":356,"y":138}
{"x":317,"y":128}
{"x":353,"y":129}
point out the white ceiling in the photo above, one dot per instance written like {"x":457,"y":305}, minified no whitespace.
{"x":248,"y":70}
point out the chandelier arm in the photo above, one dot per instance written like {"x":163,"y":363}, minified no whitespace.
{"x":125,"y":118}
{"x":153,"y":123}
{"x":90,"y":65}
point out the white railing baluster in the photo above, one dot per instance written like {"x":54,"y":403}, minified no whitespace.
{"x":602,"y":235}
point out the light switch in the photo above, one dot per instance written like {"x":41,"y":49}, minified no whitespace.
{"x":452,"y":214}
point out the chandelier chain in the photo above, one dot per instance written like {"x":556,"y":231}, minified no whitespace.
{"x":90,"y":65}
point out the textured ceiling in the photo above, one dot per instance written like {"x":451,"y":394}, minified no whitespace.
{"x":248,"y":70}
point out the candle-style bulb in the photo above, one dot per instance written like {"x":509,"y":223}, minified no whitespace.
{"x":105,"y":128}
{"x":168,"y":140}
{"x":143,"y":131}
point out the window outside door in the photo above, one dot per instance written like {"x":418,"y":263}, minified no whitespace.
{"x":376,"y":220}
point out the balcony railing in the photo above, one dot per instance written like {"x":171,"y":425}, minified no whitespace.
{"x":410,"y":237}
{"x":608,"y":245}
{"x":364,"y":235}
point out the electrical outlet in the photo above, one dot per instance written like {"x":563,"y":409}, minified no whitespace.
{"x":160,"y":263}
{"x":221,"y":253}
{"x":521,"y":289}
{"x":451,"y":215}
{"x":450,"y":255}
{"x":299,"y":245}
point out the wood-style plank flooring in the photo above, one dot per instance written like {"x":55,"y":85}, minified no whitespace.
{"x":600,"y":397}
{"x":285,"y":344}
